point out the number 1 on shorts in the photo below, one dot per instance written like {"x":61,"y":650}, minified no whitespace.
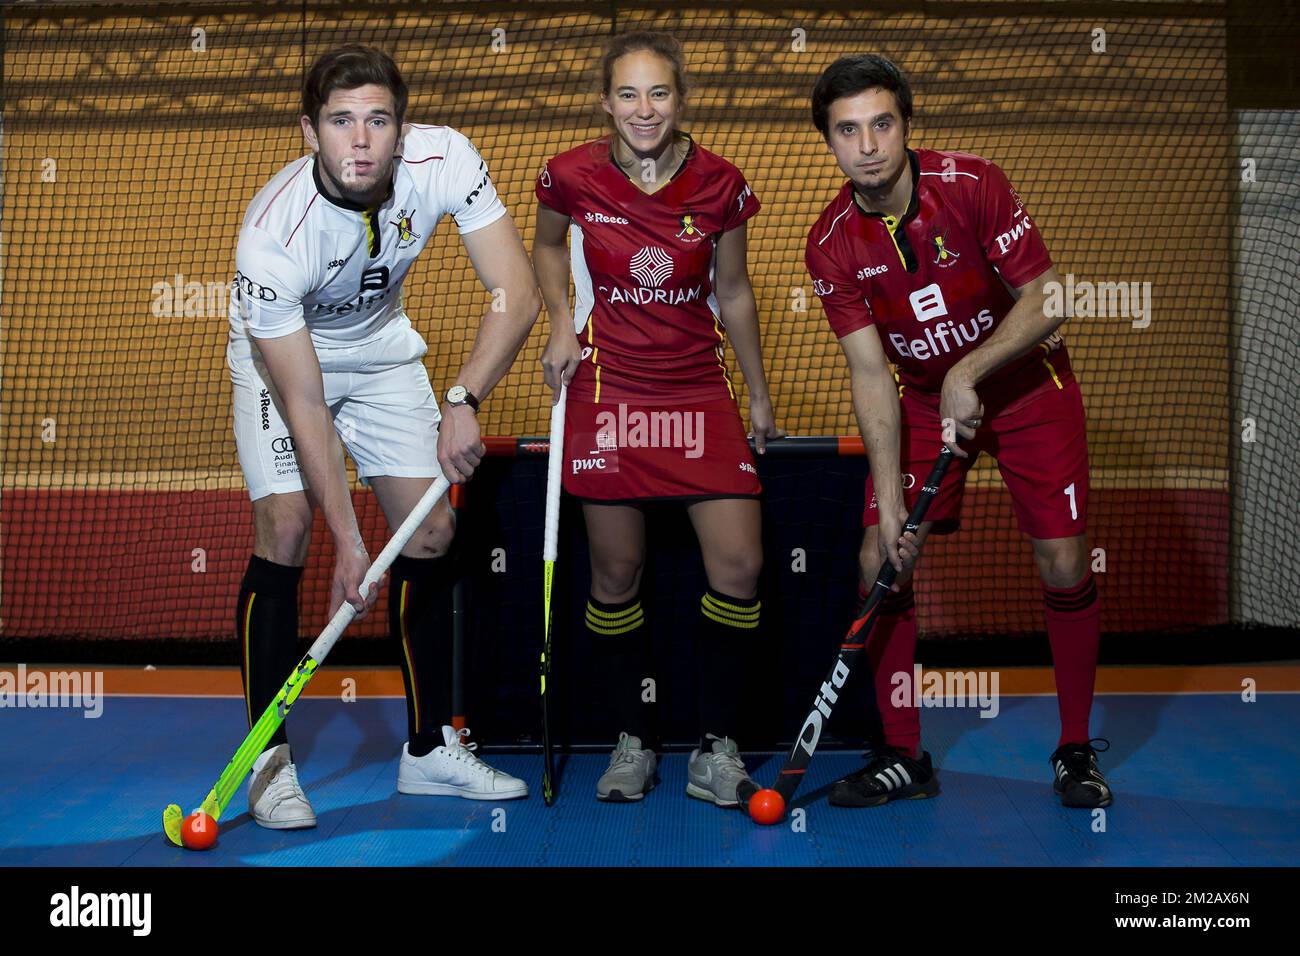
{"x":1074,"y":509}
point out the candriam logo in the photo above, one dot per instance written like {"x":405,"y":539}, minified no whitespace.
{"x":651,"y":267}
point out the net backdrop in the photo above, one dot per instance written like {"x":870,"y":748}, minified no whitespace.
{"x":136,"y":134}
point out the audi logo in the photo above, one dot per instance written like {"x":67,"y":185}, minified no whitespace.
{"x":250,"y":288}
{"x":821,"y":287}
{"x":909,"y":480}
{"x":282,"y":444}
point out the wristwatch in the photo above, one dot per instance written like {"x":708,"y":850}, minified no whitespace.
{"x":460,"y":395}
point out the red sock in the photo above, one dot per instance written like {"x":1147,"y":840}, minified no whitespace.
{"x":1074,"y":630}
{"x":892,"y":650}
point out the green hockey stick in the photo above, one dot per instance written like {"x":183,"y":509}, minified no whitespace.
{"x":215,"y":803}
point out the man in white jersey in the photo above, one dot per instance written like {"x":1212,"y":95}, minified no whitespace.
{"x":320,"y":350}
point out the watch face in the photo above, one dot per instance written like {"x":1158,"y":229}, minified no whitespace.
{"x":456,"y":394}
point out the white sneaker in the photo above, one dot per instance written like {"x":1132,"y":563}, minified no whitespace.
{"x":454,"y":771}
{"x":275,"y":797}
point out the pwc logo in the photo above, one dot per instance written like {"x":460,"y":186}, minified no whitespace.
{"x":1006,"y":239}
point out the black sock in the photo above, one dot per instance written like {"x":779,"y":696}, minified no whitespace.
{"x":727,"y":626}
{"x":266,"y":627}
{"x":419,"y":622}
{"x":621,"y":647}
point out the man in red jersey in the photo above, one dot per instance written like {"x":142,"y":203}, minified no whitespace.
{"x":929,"y":261}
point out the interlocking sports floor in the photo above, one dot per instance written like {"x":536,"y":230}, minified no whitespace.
{"x":1202,"y":778}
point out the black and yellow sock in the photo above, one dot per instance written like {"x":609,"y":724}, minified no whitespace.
{"x":419,"y":622}
{"x":266,"y":626}
{"x":726,"y":631}
{"x":621,"y":646}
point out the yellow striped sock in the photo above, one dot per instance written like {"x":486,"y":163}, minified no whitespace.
{"x":618,"y":621}
{"x":726,"y":611}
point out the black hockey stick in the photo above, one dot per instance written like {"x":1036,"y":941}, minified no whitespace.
{"x":805,"y":744}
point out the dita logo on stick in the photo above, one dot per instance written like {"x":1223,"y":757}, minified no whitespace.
{"x":811,"y":731}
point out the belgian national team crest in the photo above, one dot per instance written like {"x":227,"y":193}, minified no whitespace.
{"x":690,"y":228}
{"x":944,"y":255}
{"x":406,"y":236}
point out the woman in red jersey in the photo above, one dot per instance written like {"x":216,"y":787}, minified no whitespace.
{"x":651,"y":227}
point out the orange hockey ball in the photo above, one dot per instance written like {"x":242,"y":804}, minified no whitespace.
{"x":766,"y":807}
{"x":198,"y":831}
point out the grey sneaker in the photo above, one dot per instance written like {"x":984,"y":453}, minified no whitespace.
{"x":631,"y":772}
{"x":715,"y":776}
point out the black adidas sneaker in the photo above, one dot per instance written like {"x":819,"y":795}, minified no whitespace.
{"x":890,"y":776}
{"x":1079,"y":782}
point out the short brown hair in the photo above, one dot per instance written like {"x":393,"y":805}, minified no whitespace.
{"x":851,"y":75}
{"x":347,"y":68}
{"x":660,"y":44}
